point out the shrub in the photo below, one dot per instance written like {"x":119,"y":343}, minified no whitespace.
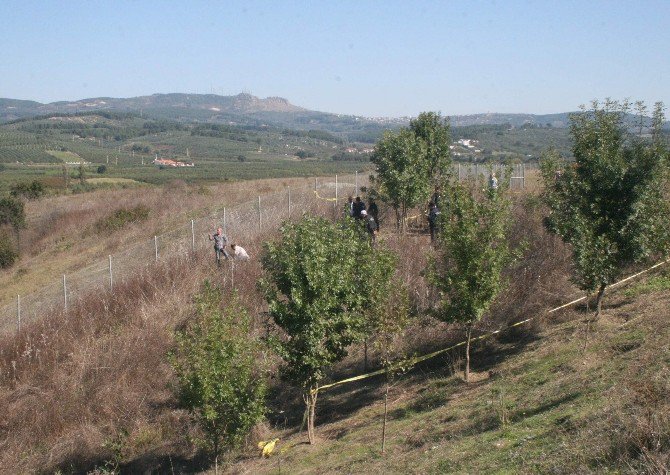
{"x":30,"y":191}
{"x":101,"y":169}
{"x":121,"y":217}
{"x":216,"y":366}
{"x":8,"y":254}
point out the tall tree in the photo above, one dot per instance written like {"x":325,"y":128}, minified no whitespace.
{"x":321,"y":280}
{"x":433,"y":130}
{"x":412,"y":162}
{"x":609,"y":205}
{"x":471,"y":254}
{"x":402,"y":172}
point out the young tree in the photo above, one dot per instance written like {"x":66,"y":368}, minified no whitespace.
{"x":412,"y":162}
{"x":216,"y":363}
{"x":388,"y":323}
{"x":402,"y":172}
{"x":434,"y":131}
{"x":321,"y":279}
{"x":471,"y":254}
{"x":610,"y":204}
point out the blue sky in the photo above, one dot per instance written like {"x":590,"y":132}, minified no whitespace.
{"x":371,"y":58}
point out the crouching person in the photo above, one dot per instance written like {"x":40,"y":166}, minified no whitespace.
{"x":239,"y":253}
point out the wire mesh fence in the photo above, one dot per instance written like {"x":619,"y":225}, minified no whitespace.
{"x":240,"y":223}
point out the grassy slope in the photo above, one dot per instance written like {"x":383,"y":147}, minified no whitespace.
{"x":568,"y":411}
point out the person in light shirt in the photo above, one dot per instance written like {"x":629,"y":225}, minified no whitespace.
{"x":239,"y":253}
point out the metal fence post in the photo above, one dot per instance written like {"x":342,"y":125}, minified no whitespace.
{"x":111,"y":278}
{"x":336,"y":190}
{"x":289,"y":202}
{"x":18,"y":312}
{"x":459,"y":172}
{"x":156,"y":247}
{"x":259,"y":212}
{"x":64,"y":293}
{"x":224,"y":221}
{"x":193,"y":235}
{"x":523,"y":175}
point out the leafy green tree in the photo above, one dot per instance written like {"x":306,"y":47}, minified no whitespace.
{"x":611,"y":204}
{"x":216,"y":363}
{"x":402,"y":172}
{"x":472,"y":252}
{"x":321,"y":280}
{"x":433,"y":130}
{"x":411,"y":162}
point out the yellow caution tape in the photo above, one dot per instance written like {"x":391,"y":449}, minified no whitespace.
{"x":322,"y":198}
{"x":413,"y":361}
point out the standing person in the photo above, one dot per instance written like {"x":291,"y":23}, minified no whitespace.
{"x":370,"y":226}
{"x":374,"y":212}
{"x":239,"y":253}
{"x":493,"y":182}
{"x":349,"y":209}
{"x":359,"y":207}
{"x":433,"y":214}
{"x":220,"y":242}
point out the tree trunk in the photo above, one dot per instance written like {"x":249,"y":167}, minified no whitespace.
{"x":310,"y":400}
{"x":365,"y":355}
{"x":467,"y":354}
{"x":599,"y":301}
{"x":386,"y":410}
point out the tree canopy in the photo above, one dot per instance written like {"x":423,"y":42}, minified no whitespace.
{"x":610,"y":205}
{"x":411,"y":162}
{"x":321,"y":279}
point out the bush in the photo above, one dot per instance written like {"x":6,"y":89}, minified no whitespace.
{"x":8,"y":254}
{"x":216,"y":366}
{"x":30,"y":191}
{"x":121,"y":217}
{"x":101,"y":169}
{"x":242,"y":158}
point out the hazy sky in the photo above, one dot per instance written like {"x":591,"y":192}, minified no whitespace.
{"x":386,"y":57}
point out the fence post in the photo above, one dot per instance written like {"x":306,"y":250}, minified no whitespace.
{"x":64,"y":293}
{"x":224,"y":221}
{"x":336,"y":192}
{"x":259,"y":212}
{"x":156,"y":246}
{"x":315,"y":184}
{"x":111,"y":278}
{"x":193,"y":235}
{"x":289,"y":202}
{"x":523,"y":175}
{"x":18,"y":312}
{"x":459,"y":172}
{"x":356,"y":184}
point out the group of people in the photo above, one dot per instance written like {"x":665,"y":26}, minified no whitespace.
{"x":220,"y":244}
{"x":370,"y":217}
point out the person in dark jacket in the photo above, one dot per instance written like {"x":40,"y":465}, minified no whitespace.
{"x":433,"y":214}
{"x":374,"y":212}
{"x":359,"y":206}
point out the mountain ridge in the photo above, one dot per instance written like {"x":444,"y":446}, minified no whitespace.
{"x":243,"y":104}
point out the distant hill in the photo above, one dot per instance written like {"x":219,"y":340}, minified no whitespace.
{"x":248,"y":110}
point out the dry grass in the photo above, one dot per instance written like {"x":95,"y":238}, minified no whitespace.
{"x":61,"y":236}
{"x":93,"y":386}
